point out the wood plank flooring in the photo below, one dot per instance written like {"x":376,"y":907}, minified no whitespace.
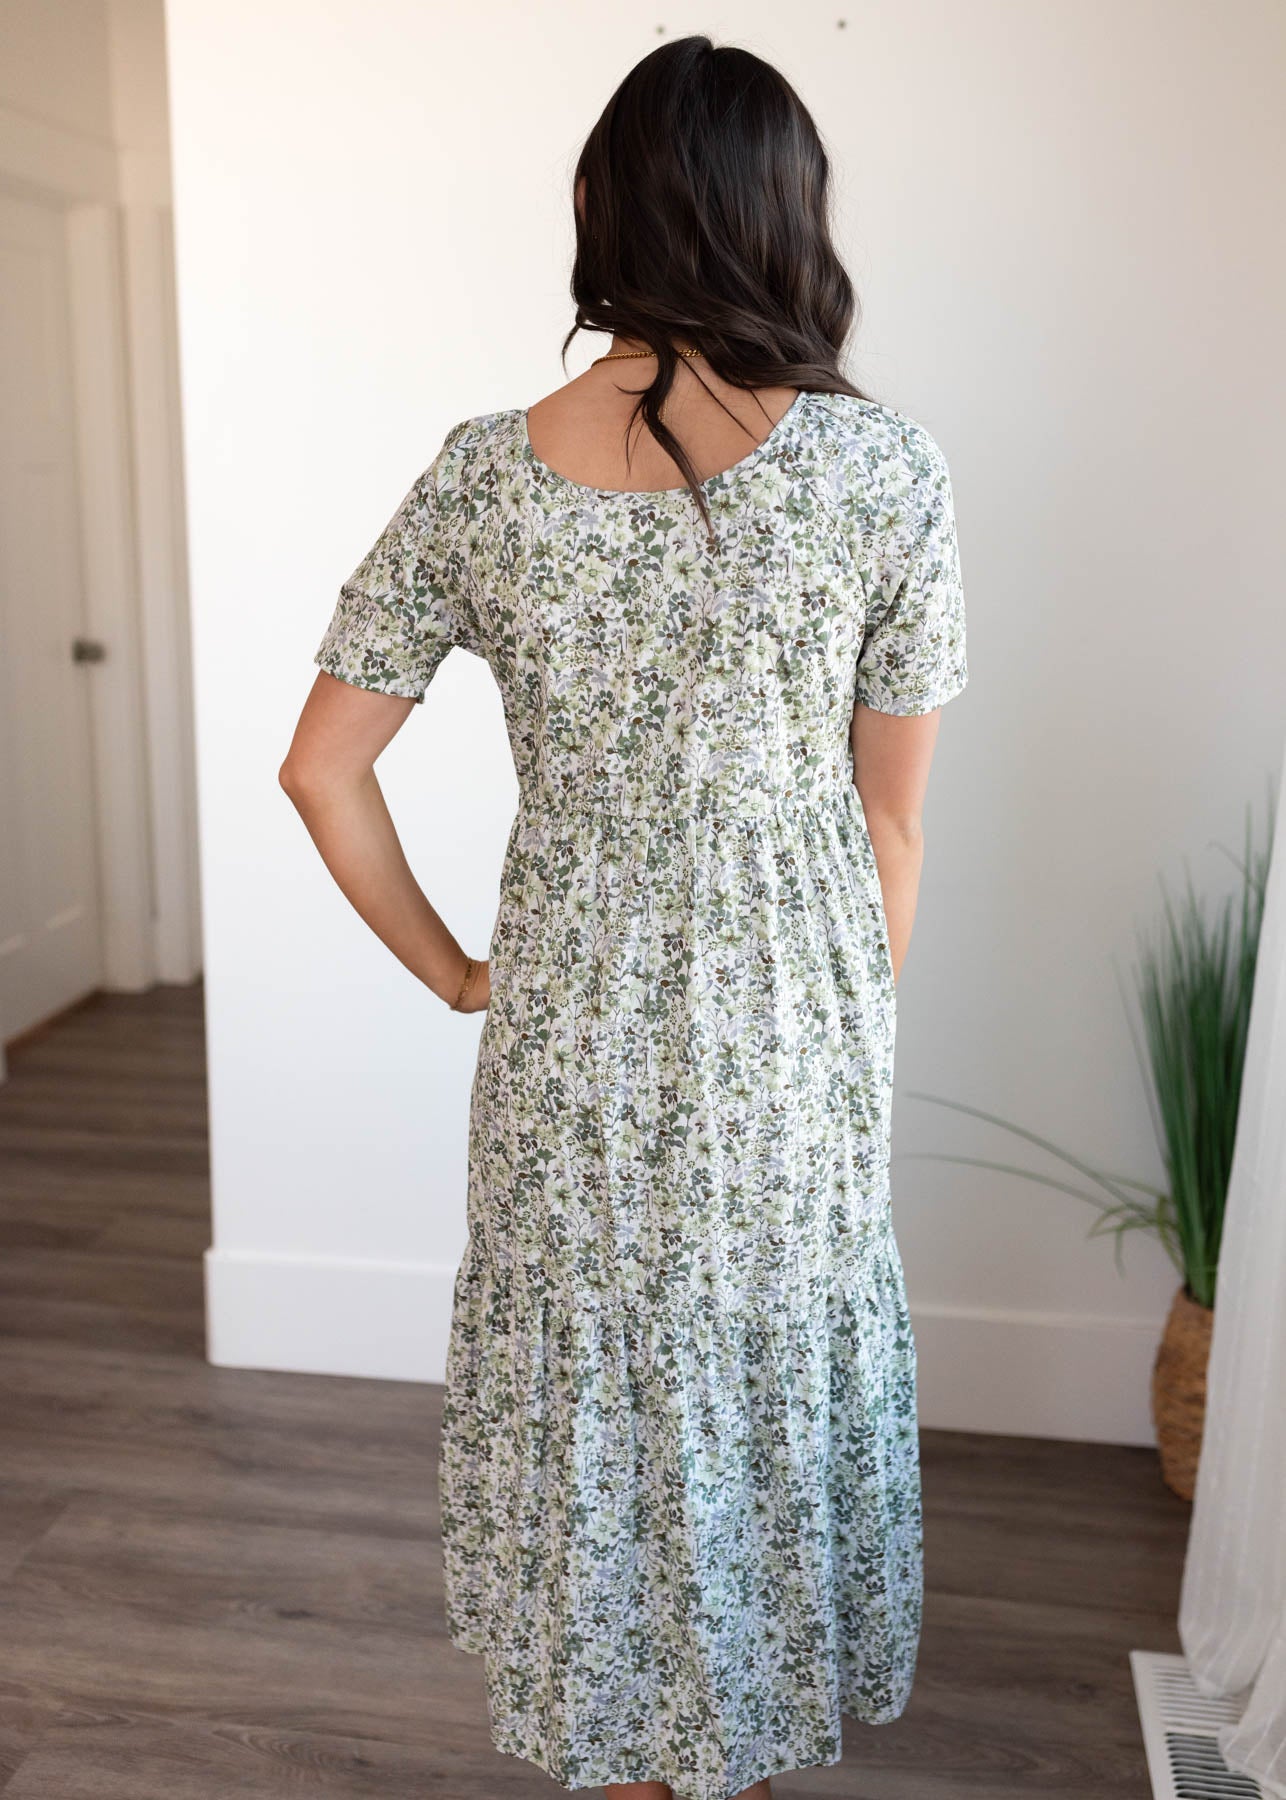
{"x":218,"y":1582}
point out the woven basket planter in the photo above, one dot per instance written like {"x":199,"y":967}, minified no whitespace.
{"x":1179,"y":1390}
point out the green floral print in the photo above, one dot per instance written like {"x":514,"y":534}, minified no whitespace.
{"x":679,"y":1463}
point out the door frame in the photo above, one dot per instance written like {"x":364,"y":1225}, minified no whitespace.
{"x":116,"y":210}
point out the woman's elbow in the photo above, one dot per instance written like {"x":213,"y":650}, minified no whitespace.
{"x":297,"y":777}
{"x":311,"y":777}
{"x":904,"y":829}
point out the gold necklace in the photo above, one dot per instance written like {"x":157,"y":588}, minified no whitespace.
{"x":633,"y":355}
{"x":616,"y":355}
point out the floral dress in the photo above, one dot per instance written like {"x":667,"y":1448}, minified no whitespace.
{"x":679,"y":1465}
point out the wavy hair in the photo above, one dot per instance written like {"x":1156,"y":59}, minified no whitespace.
{"x":705,"y":221}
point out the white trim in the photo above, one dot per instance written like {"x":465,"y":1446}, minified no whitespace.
{"x":162,"y":590}
{"x":323,"y":1315}
{"x":1082,"y":1376}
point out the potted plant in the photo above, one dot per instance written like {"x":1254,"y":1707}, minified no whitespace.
{"x":1193,"y":985}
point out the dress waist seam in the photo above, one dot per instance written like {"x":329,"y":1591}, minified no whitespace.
{"x":551,"y":801}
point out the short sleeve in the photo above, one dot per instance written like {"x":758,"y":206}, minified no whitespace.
{"x":912,"y":658}
{"x":408,"y":601}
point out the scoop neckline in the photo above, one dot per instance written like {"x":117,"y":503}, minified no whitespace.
{"x":721,"y":475}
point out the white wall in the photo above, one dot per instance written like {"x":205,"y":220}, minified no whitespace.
{"x":1060,"y":217}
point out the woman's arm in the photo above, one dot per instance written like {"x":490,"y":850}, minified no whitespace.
{"x":329,"y":774}
{"x":891,"y":758}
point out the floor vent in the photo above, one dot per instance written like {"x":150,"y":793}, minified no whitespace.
{"x":1180,"y":1727}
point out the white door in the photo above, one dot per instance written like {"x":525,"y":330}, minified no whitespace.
{"x":50,"y":949}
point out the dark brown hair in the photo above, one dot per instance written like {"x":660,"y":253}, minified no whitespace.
{"x":705,"y":222}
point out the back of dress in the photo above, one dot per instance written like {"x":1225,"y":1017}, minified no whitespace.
{"x":680,"y":1489}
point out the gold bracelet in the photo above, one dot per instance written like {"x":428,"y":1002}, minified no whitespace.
{"x":470,"y":970}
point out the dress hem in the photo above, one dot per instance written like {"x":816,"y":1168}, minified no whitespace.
{"x":547,"y":1766}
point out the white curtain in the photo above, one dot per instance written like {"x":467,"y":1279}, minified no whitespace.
{"x":1232,"y":1613}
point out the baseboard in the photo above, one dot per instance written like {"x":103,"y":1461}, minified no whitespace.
{"x":1028,"y":1373}
{"x":321,"y":1315}
{"x":1060,"y":1375}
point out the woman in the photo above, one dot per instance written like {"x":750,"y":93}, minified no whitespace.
{"x":680,"y":1487}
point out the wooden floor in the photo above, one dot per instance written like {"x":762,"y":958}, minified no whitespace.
{"x":217,"y":1582}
